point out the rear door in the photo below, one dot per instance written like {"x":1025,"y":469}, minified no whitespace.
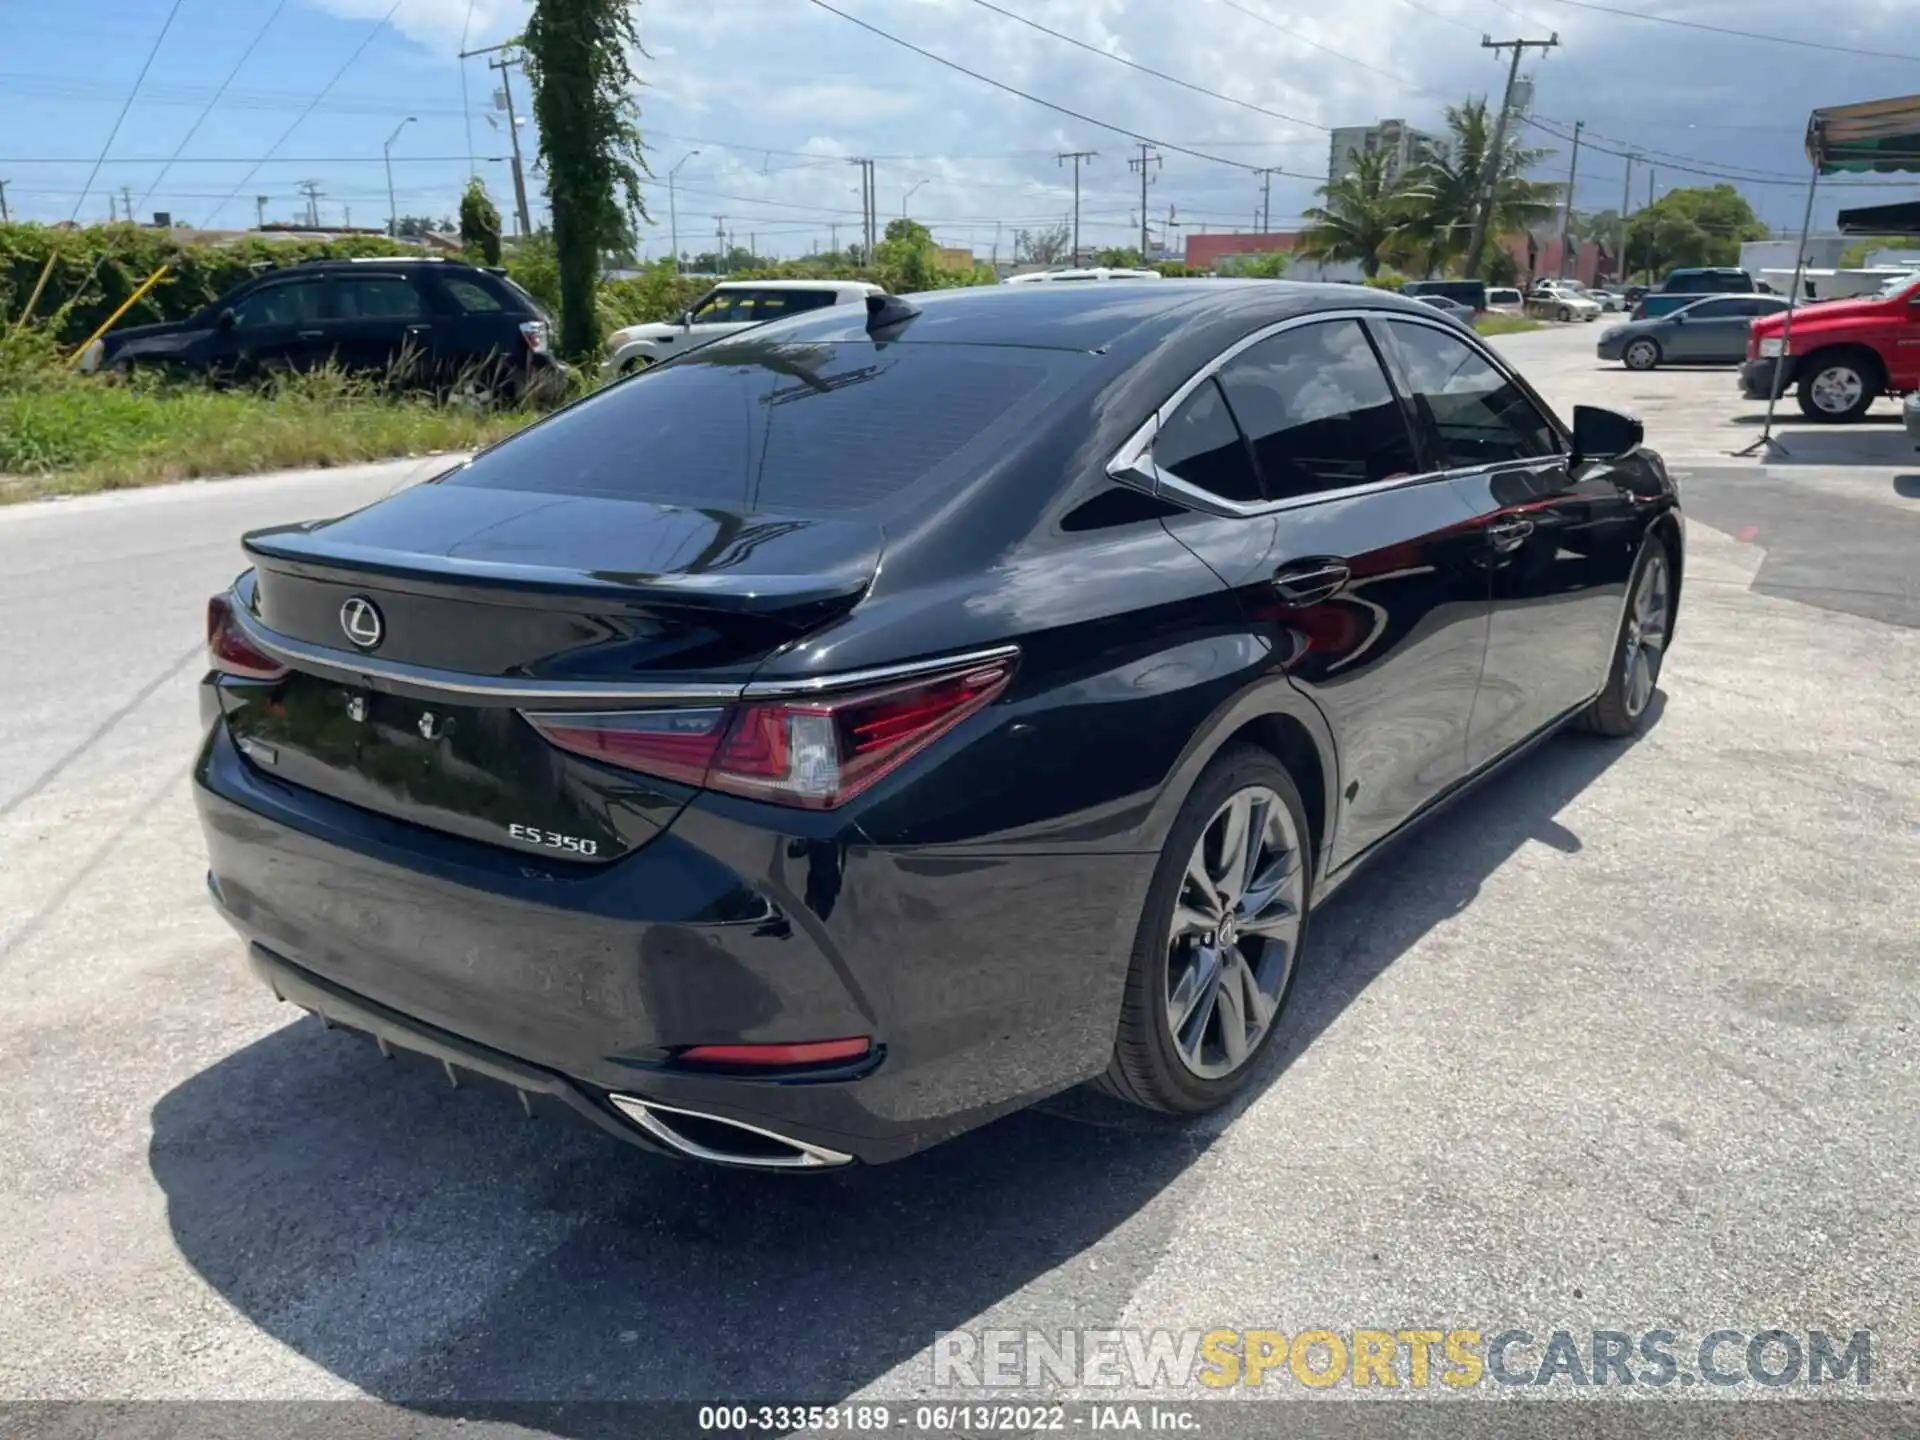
{"x":1710,"y":330}
{"x":1362,"y":569}
{"x":378,"y":323}
{"x":1559,"y":537}
{"x":475,"y":333}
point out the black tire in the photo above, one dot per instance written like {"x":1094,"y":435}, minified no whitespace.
{"x":1842,"y":370}
{"x":1614,"y":711}
{"x":1146,"y":1070}
{"x":1647,"y":349}
{"x":1566,"y":315}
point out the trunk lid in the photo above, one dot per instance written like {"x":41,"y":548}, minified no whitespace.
{"x":486,"y":602}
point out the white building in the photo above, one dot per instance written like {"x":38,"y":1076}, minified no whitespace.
{"x":1403,"y":145}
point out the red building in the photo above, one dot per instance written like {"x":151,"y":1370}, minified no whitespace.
{"x":1204,"y":252}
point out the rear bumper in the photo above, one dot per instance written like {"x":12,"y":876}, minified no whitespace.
{"x":583,"y":982}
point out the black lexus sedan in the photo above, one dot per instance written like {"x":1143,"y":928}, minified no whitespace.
{"x":866,"y":725}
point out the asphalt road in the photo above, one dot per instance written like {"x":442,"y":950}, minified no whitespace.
{"x":1625,"y":1041}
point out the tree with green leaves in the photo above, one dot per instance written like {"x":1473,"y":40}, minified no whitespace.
{"x":1701,"y":225}
{"x":479,"y":223}
{"x":583,"y":83}
{"x":1042,"y":247}
{"x":1364,"y":217}
{"x":1453,"y":181}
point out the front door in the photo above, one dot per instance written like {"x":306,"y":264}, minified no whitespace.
{"x":1710,"y":330}
{"x":1559,"y":536}
{"x":276,"y":328}
{"x":1360,"y":568}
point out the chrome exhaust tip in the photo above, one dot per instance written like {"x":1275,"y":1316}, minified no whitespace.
{"x":721,"y":1141}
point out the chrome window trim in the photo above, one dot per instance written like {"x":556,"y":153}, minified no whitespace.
{"x":1132,"y":464}
{"x":584,"y":696}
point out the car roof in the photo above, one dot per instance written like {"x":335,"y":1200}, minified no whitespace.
{"x":1093,"y":317}
{"x":822,"y":284}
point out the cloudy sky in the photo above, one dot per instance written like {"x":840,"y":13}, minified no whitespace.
{"x":775,"y":95}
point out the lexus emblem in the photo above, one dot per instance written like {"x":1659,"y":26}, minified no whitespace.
{"x":360,"y":618}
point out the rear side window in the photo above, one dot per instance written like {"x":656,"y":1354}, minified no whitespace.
{"x":469,"y":297}
{"x":773,"y":304}
{"x":1717,"y":309}
{"x":1315,"y":405}
{"x":1475,"y":414}
{"x":291,"y":302}
{"x":797,"y":429}
{"x":377,"y":297}
{"x":1200,"y":444}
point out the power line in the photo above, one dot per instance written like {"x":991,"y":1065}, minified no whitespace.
{"x":1446,"y":19}
{"x":1327,"y":49}
{"x":1738,"y":34}
{"x":1149,"y":70}
{"x":1085,"y":119}
{"x":1641,"y":153}
{"x":120,"y":119}
{"x":325,"y":90}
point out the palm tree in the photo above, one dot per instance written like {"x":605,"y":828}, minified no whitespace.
{"x":1364,"y":217}
{"x":1454,"y":177}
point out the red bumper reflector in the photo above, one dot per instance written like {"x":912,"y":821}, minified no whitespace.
{"x":810,"y":1052}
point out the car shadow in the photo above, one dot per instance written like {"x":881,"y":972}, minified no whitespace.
{"x":1873,"y":440}
{"x":434,"y":1249}
{"x":1907,"y":487}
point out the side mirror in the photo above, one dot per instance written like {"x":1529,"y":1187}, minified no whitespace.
{"x":228,"y":319}
{"x":1678,"y":317}
{"x":1604,"y":434}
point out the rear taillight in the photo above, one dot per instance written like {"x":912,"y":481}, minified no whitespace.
{"x":814,"y":753}
{"x":229,"y":650}
{"x":534,"y":332}
{"x":805,"y":1052}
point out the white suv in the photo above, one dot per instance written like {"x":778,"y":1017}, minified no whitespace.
{"x":731,"y":305}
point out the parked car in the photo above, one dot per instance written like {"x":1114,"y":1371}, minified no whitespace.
{"x":418,"y":321}
{"x":1092,"y":272}
{"x":1910,"y":413}
{"x":1688,"y":284}
{"x":730,"y":306}
{"x":880,"y":719}
{"x":1556,"y":300}
{"x":1505,"y":300}
{"x":1452,"y":309}
{"x":1471,"y":293}
{"x":1711,"y":331}
{"x":1841,"y":356}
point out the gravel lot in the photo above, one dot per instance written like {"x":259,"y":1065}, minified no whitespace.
{"x":1625,"y":1041}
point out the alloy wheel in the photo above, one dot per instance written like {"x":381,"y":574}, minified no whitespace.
{"x":1838,"y":388}
{"x":1646,"y":637}
{"x":1236,"y":929}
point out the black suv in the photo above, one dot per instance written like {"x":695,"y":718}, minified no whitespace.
{"x":420,"y":322}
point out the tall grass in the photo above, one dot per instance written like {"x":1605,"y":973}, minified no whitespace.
{"x":62,"y":433}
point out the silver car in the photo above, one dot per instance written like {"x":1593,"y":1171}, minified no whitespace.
{"x":1710,"y":331}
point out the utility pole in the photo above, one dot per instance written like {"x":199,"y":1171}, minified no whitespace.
{"x":126,"y":194}
{"x":386,"y":153}
{"x":1266,"y":175}
{"x":1566,"y":217}
{"x":1496,"y":154}
{"x":873,"y":213}
{"x":260,"y":210}
{"x":1149,"y":158}
{"x":504,"y":64}
{"x":1626,"y":199}
{"x":673,"y":208}
{"x":311,"y":189}
{"x":1076,"y":156}
{"x":720,"y":241}
{"x":866,"y":208}
{"x":1651,"y":172}
{"x":5,"y":219}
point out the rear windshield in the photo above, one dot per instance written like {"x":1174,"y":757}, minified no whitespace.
{"x":788,"y":427}
{"x":1466,"y":292}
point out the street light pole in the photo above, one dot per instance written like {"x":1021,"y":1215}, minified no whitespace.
{"x":673,"y":210}
{"x":908,"y":196}
{"x":386,"y":150}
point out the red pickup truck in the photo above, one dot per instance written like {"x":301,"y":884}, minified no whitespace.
{"x":1842,"y":355}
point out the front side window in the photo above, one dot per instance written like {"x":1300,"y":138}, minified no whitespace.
{"x":1473,"y":413}
{"x":292,"y":302}
{"x":1201,"y":445}
{"x":1717,"y":310}
{"x":720,"y":308}
{"x":1316,"y":407}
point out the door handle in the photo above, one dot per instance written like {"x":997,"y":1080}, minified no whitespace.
{"x":313,"y":335}
{"x":1312,"y":582}
{"x":1510,"y":534}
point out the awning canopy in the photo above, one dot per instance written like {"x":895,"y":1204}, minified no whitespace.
{"x":1902,"y":219}
{"x":1875,"y":137}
